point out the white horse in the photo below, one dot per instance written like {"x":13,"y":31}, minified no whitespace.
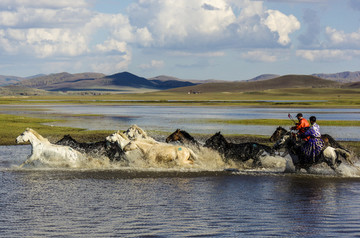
{"x":135,"y":132}
{"x":120,"y":138}
{"x":162,"y":152}
{"x":42,"y":150}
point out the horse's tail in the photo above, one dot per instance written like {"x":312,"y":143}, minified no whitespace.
{"x":345,"y":154}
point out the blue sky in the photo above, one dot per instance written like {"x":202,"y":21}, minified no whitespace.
{"x":188,"y":39}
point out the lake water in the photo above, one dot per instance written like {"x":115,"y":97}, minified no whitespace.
{"x":191,"y":119}
{"x":155,"y":202}
{"x":137,"y":200}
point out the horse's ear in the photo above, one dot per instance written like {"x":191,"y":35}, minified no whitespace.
{"x":177,"y":130}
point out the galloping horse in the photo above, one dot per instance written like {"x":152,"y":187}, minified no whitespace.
{"x":237,"y":152}
{"x":328,"y":140}
{"x":183,"y":137}
{"x":42,"y":150}
{"x":161,"y":152}
{"x":97,"y":149}
{"x":330,"y":155}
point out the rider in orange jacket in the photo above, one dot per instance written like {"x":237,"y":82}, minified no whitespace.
{"x":302,"y":125}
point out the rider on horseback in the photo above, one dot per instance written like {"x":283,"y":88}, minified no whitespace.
{"x":301,"y":126}
{"x":313,"y":146}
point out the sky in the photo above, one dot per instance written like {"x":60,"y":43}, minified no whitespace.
{"x":188,"y":39}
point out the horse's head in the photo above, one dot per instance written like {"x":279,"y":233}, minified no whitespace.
{"x":282,"y":142}
{"x":118,"y":137}
{"x":23,"y":137}
{"x":30,"y":135}
{"x":113,"y":137}
{"x":278,"y":133}
{"x":175,"y":136}
{"x":130,"y":146}
{"x":135,"y":132}
{"x":217,"y":142}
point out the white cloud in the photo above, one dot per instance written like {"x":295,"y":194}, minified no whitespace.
{"x":72,"y":30}
{"x":189,"y":24}
{"x":281,"y":24}
{"x":341,"y":39}
{"x":264,"y":55}
{"x":327,"y":55}
{"x":154,"y":64}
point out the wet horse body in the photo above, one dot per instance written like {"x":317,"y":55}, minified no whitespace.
{"x":162,"y":152}
{"x":96,"y":149}
{"x":46,"y":152}
{"x":237,"y":152}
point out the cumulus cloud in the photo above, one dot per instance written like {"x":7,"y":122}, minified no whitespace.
{"x":341,"y":39}
{"x":71,"y":29}
{"x":191,"y":24}
{"x":282,"y":24}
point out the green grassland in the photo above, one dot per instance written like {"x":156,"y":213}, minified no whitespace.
{"x":309,"y":97}
{"x":18,"y":124}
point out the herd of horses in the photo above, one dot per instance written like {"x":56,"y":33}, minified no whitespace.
{"x":178,"y":148}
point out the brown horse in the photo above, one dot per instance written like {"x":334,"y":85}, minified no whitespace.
{"x":183,"y":137}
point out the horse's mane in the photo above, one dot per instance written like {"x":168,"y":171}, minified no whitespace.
{"x":187,"y":135}
{"x":122,"y":135}
{"x":37,"y":135}
{"x":139,"y":129}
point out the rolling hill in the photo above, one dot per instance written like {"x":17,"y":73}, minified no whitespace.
{"x":287,"y":81}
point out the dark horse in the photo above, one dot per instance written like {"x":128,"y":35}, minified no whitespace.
{"x":237,"y":152}
{"x":328,"y":140}
{"x":331,"y":156}
{"x":96,"y":149}
{"x":183,"y":137}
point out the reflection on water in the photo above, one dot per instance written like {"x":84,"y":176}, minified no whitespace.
{"x":78,"y":204}
{"x":169,"y":118}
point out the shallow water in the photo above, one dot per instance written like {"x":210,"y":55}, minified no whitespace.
{"x":169,"y":118}
{"x":133,"y":202}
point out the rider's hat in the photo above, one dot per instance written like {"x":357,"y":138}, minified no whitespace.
{"x":299,"y":115}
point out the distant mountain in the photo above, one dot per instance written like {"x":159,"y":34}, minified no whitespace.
{"x":287,"y":81}
{"x":52,"y":81}
{"x":9,"y":80}
{"x":124,"y":81}
{"x":264,"y":77}
{"x":343,"y":77}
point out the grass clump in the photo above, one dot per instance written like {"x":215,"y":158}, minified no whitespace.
{"x":13,"y":125}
